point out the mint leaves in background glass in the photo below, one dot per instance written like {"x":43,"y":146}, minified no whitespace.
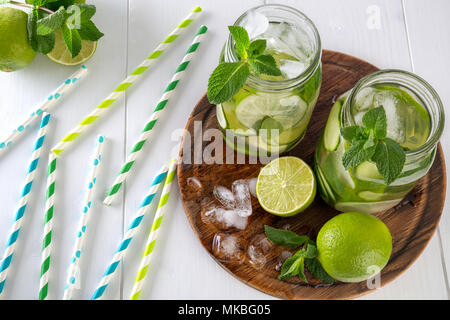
{"x":370,"y":143}
{"x":72,"y":18}
{"x":306,"y":256}
{"x":229,"y":77}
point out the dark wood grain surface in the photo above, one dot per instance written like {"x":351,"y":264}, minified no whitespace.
{"x":412,"y":223}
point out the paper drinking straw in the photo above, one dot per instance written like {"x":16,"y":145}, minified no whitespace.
{"x":153,"y":236}
{"x":45,"y":106}
{"x":131,"y":232}
{"x":121,"y":89}
{"x":48,"y":227}
{"x":26,"y":193}
{"x":72,"y":274}
{"x":159,"y":109}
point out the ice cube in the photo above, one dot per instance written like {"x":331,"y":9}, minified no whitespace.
{"x":258,"y":250}
{"x":227,"y":247}
{"x":243,"y":203}
{"x":292,"y":68}
{"x":226,"y":218}
{"x":225,"y":196}
{"x":283,"y":256}
{"x":389,"y":102}
{"x":252,"y":186}
{"x":364,"y":99}
{"x":256,"y":24}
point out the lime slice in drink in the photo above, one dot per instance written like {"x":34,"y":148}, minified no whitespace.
{"x":60,"y":54}
{"x":286,"y":186}
{"x":221,"y":117}
{"x":333,"y":127}
{"x":368,"y":171}
{"x":287,"y":111}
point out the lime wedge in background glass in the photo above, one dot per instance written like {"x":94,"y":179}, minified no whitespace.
{"x":286,"y":186}
{"x":60,"y":54}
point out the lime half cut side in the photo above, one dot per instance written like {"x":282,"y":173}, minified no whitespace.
{"x":286,"y":186}
{"x":60,"y":54}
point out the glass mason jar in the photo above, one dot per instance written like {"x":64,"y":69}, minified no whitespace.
{"x":270,"y":113}
{"x":415,"y":120}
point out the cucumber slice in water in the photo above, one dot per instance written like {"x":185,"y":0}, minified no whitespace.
{"x":333,"y":127}
{"x":366,"y":207}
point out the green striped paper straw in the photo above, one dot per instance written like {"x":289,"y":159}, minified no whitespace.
{"x":159,"y":110}
{"x":152,"y":237}
{"x":45,"y":106}
{"x":48,"y":227}
{"x":5,"y":266}
{"x":73,"y":277}
{"x":122,"y":88}
{"x":111,"y":270}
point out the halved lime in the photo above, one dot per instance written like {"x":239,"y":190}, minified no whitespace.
{"x":332,"y":132}
{"x":286,"y":186}
{"x":60,"y":54}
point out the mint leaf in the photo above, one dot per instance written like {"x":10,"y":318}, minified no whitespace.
{"x":370,"y":141}
{"x":56,"y":4}
{"x":390,"y":158}
{"x":241,"y":39}
{"x":51,"y":22}
{"x":264,"y":64}
{"x":357,"y":154}
{"x":89,"y":31}
{"x":87,"y":11}
{"x":72,"y":40}
{"x":41,"y":44}
{"x":375,"y":119}
{"x":311,"y":251}
{"x":257,"y":48}
{"x":353,"y":133}
{"x":226,"y":80}
{"x":284,"y":238}
{"x":293,"y":266}
{"x":315,"y":268}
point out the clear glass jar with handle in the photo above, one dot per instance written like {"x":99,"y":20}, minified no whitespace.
{"x":415,"y":120}
{"x":267,"y":103}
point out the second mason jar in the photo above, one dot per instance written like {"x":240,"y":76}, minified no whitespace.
{"x":415,"y":120}
{"x":270,"y":113}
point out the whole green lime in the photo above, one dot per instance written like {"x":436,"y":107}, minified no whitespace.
{"x":354,"y":246}
{"x":15,"y":51}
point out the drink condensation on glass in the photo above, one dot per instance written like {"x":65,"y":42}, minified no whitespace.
{"x":415,"y":120}
{"x":274,"y":103}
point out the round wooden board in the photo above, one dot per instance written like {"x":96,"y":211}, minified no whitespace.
{"x":412,"y":223}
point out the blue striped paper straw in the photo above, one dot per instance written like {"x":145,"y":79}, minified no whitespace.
{"x":131,"y":232}
{"x":26,"y":193}
{"x":45,"y":106}
{"x":73,"y":278}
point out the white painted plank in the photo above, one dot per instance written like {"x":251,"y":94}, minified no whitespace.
{"x":20,"y":91}
{"x":182,"y":268}
{"x":428,"y":28}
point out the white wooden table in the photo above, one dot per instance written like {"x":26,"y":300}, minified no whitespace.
{"x":409,"y":34}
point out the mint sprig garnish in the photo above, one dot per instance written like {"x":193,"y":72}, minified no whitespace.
{"x":229,"y":77}
{"x":370,"y":143}
{"x":47,"y":16}
{"x":305,"y":256}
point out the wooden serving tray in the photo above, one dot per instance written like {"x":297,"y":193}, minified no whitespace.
{"x":412,"y":223}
